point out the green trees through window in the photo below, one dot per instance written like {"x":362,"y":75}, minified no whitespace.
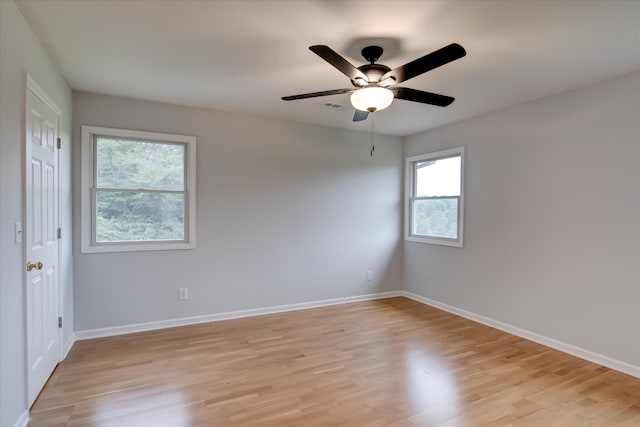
{"x":436,"y":217}
{"x":139,"y":190}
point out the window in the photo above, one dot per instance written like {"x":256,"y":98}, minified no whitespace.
{"x":138,"y":190}
{"x":435,"y":197}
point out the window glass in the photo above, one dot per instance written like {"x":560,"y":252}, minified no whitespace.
{"x":130,"y":164}
{"x":139,"y":216}
{"x":436,"y":217}
{"x":438,"y":177}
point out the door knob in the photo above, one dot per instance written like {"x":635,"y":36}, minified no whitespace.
{"x":32,"y":265}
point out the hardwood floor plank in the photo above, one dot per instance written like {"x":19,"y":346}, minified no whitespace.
{"x":392,"y":362}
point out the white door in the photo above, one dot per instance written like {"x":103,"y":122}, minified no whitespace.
{"x":41,"y":241}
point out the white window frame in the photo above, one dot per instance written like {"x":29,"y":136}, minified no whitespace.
{"x":410,"y":177}
{"x":87,"y":217}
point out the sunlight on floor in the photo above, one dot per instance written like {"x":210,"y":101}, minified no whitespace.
{"x":431,"y":387}
{"x":156,"y":406}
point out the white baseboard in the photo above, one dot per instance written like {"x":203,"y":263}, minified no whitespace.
{"x":67,"y":346}
{"x":162,"y":324}
{"x":532,"y":336}
{"x":22,"y":420}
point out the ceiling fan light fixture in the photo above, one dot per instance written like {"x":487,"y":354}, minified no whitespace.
{"x":372,"y":98}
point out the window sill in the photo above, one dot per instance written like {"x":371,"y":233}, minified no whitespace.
{"x":137,"y":247}
{"x":434,"y":241}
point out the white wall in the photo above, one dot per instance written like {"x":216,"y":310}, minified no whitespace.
{"x":21,"y":52}
{"x":552,"y":226}
{"x":286,"y":213}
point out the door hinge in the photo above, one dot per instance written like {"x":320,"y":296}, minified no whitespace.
{"x":60,"y":322}
{"x":59,"y":233}
{"x":59,"y":143}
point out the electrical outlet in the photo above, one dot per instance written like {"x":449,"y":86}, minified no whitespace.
{"x":369,"y":275}
{"x":183,"y":293}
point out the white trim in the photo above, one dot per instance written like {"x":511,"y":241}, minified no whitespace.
{"x":86,"y":181}
{"x":37,"y":90}
{"x":67,"y":347}
{"x":582,"y":353}
{"x":408,"y":194}
{"x":22,"y":420}
{"x":162,"y":324}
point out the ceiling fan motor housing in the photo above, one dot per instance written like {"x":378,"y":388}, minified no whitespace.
{"x":374,"y":73}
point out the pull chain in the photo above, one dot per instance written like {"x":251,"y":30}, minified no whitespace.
{"x":373,"y":147}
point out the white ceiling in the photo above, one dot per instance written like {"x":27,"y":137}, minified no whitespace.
{"x":243,"y":55}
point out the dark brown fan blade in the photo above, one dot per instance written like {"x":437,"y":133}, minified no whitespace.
{"x":428,"y":62}
{"x":333,"y":58}
{"x":314,"y":94}
{"x":423,"y":97}
{"x":360,"y":115}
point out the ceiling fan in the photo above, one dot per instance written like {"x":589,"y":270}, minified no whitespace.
{"x":373,"y":84}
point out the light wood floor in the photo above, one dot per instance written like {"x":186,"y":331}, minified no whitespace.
{"x":392,"y":362}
